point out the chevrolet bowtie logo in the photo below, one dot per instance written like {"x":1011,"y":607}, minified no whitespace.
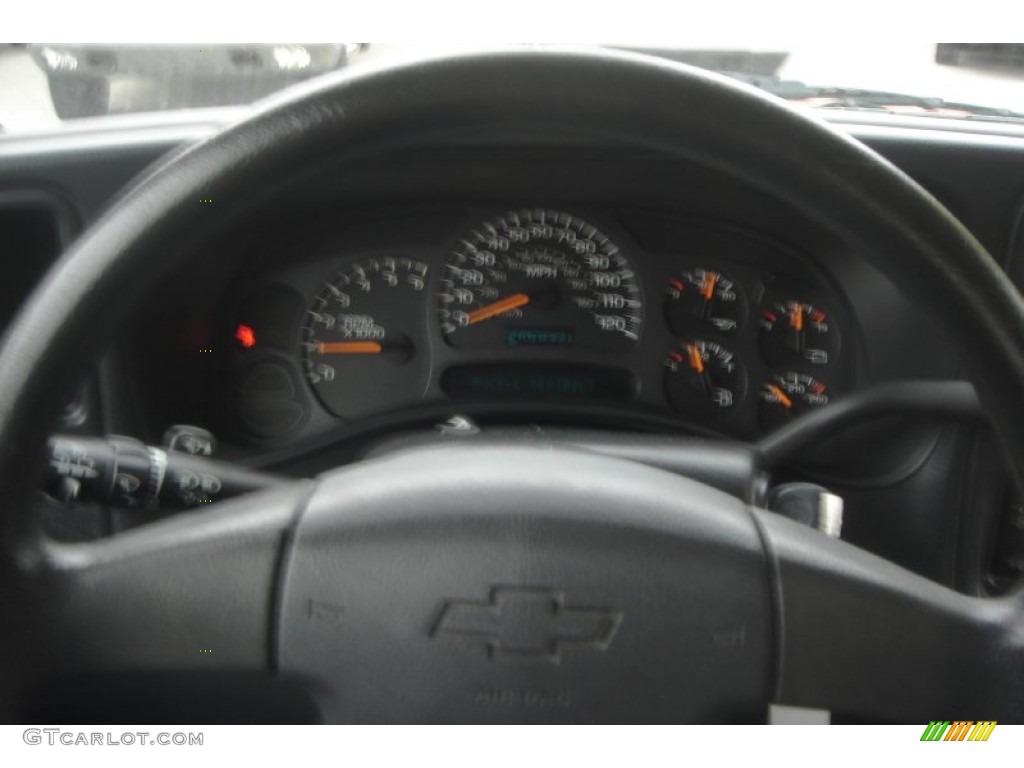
{"x":532,"y":623}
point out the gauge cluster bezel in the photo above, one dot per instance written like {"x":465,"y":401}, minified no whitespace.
{"x":657,"y":245}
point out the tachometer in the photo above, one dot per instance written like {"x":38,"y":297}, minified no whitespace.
{"x":361,"y":333}
{"x":538,"y":277}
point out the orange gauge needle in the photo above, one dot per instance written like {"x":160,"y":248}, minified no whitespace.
{"x":498,"y":307}
{"x":695,"y":360}
{"x":349,"y":348}
{"x":780,"y":395}
{"x":707,"y":290}
{"x":796,"y":318}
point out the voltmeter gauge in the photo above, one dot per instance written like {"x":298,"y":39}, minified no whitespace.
{"x":700,"y":299}
{"x":704,"y":379}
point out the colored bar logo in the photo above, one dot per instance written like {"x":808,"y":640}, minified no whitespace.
{"x":958,"y":730}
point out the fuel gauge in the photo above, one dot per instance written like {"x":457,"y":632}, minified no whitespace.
{"x":704,"y":379}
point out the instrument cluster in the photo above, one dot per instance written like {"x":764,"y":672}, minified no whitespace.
{"x":708,"y":325}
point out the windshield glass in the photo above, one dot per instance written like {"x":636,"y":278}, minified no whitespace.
{"x":45,"y":85}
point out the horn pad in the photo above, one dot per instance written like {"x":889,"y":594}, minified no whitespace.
{"x":511,"y":584}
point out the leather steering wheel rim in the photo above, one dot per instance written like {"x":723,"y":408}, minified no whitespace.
{"x":634,"y":100}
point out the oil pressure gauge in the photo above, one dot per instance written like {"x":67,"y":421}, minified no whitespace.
{"x":700,"y":299}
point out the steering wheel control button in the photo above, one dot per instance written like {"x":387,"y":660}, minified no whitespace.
{"x":118,"y":470}
{"x":185,"y":438}
{"x":123,"y":472}
{"x":830,"y":515}
{"x":66,"y":489}
{"x":809,"y":505}
{"x":527,"y":623}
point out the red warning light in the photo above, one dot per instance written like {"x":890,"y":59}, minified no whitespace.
{"x":245,"y":336}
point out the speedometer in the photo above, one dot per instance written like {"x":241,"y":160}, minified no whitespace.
{"x":537,"y":277}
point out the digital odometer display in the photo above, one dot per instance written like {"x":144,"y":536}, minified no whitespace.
{"x":539,"y":381}
{"x":540,"y":277}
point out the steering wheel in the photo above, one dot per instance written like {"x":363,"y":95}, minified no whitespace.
{"x":588,"y":588}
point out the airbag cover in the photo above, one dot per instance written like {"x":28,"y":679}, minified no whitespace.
{"x":511,"y":584}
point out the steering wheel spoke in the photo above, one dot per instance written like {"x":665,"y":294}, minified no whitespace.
{"x":190,"y":593}
{"x":861,"y":636}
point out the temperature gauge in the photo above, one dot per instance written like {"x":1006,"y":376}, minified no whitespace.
{"x":703,"y":378}
{"x":700,"y":299}
{"x":797,"y":332}
{"x":786,"y":395}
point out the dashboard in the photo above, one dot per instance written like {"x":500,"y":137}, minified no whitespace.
{"x":533,"y":285}
{"x":443,"y":342}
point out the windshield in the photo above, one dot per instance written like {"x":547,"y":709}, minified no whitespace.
{"x":45,"y":85}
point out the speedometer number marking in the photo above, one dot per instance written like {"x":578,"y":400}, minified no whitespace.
{"x":544,"y":271}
